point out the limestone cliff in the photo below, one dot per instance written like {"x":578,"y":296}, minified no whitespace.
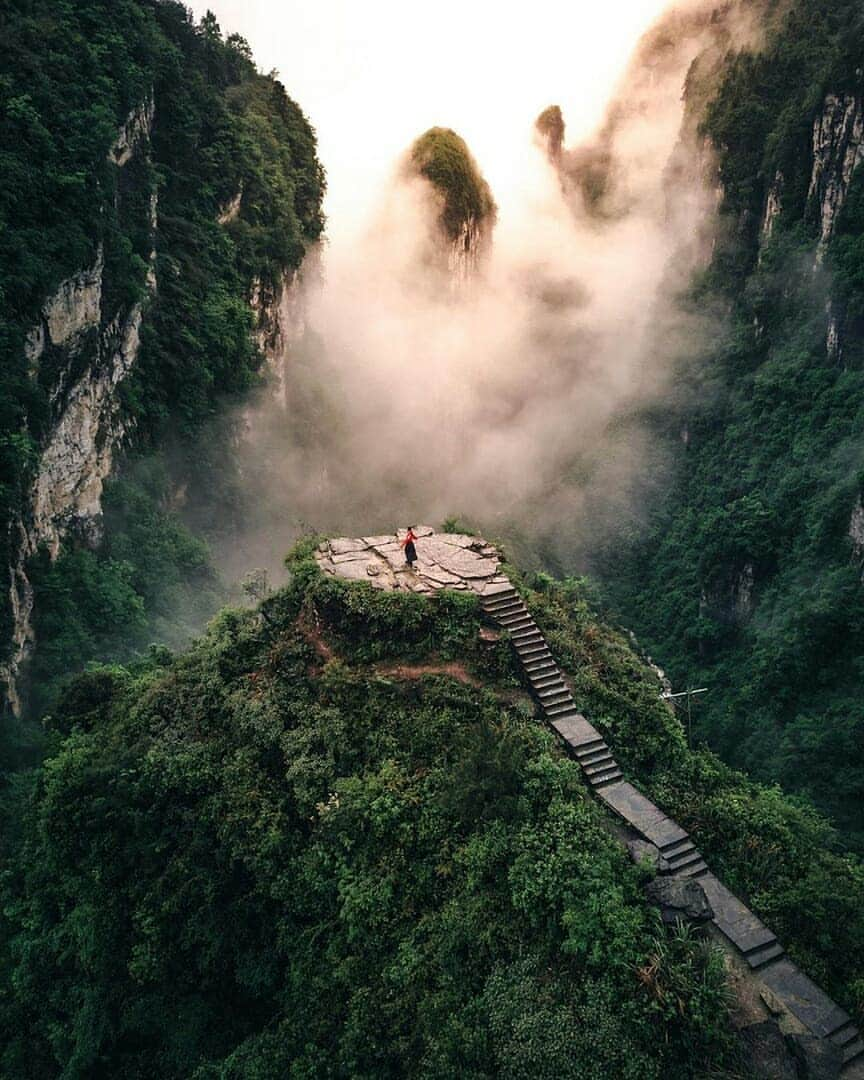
{"x":280,"y":321}
{"x":85,"y":347}
{"x":837,"y":151}
{"x":91,"y":352}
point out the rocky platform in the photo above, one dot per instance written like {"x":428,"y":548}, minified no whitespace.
{"x":444,"y":561}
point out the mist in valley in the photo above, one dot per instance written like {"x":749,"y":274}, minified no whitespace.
{"x":514,"y":401}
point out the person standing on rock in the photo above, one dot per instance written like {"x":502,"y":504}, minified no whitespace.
{"x":410,"y":550}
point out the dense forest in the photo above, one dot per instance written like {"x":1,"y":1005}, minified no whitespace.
{"x":277,"y":855}
{"x":748,"y":579}
{"x":223,"y":135}
{"x":331,"y":838}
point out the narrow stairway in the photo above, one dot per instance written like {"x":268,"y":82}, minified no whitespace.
{"x":756,"y":944}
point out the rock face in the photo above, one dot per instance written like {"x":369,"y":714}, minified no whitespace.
{"x":680,"y":900}
{"x":444,"y":561}
{"x":773,"y":207}
{"x":92,"y":353}
{"x":465,"y":251}
{"x":280,"y":321}
{"x":838,"y":147}
{"x":837,"y":151}
{"x":856,"y":532}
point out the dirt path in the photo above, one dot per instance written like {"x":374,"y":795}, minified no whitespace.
{"x":416,"y":671}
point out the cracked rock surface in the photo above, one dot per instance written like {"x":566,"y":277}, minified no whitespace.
{"x":444,"y":561}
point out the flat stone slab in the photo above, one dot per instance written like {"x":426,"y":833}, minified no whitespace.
{"x":444,"y":561}
{"x":642,"y":814}
{"x":575,"y":730}
{"x":734,"y":919}
{"x":803,"y":998}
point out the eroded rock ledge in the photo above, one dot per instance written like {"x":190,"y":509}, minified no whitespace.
{"x":444,"y":561}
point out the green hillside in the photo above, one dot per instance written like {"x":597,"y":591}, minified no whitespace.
{"x":302,"y":850}
{"x":223,"y":136}
{"x":748,"y":579}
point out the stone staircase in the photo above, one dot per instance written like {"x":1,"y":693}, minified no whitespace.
{"x":752,"y":940}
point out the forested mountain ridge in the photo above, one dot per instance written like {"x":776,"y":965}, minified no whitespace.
{"x":749,"y":577}
{"x":156,"y":195}
{"x":334,"y":840}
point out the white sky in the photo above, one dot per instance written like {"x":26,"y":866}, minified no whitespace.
{"x":373,"y":75}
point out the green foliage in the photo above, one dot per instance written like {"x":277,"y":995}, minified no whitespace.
{"x":71,"y":73}
{"x":150,"y":579}
{"x":444,"y":159}
{"x":745,"y":579}
{"x":775,"y":851}
{"x":237,"y":865}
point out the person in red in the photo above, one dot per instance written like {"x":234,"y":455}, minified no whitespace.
{"x":410,"y":550}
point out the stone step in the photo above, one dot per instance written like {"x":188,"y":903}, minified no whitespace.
{"x":765,"y":955}
{"x":546,"y":678}
{"x":543,"y":671}
{"x":695,"y":870}
{"x":597,"y":768}
{"x":683,"y":864}
{"x":524,"y":648}
{"x":527,"y":634}
{"x":682,"y":856}
{"x":677,"y":847}
{"x":502,"y":602}
{"x":532,"y":651}
{"x":546,"y":692}
{"x":551,"y":698}
{"x":612,"y":777}
{"x":845,"y":1034}
{"x":532,"y":666}
{"x":592,"y":746}
{"x":555,"y":686}
{"x":509,"y":615}
{"x":852,"y":1051}
{"x":519,"y":624}
{"x":555,"y":712}
{"x":593,"y":756}
{"x":501,"y":587}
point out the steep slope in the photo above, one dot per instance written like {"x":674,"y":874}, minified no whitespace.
{"x":157,"y":196}
{"x":302,"y":849}
{"x":749,"y":578}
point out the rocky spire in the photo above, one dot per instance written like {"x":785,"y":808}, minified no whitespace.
{"x":467,"y":211}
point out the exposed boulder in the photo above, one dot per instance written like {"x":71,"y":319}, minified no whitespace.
{"x":680,"y":900}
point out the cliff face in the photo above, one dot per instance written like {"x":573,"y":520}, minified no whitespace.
{"x":837,"y":151}
{"x":748,"y":578}
{"x":280,"y":322}
{"x":166,"y":283}
{"x":87,"y":424}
